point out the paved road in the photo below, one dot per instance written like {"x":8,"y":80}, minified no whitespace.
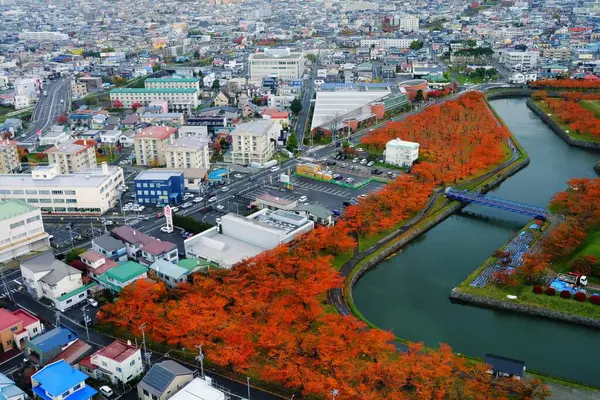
{"x":309,"y":90}
{"x":48,"y":108}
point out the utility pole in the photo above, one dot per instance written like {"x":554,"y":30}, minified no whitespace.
{"x":57,"y":315}
{"x":144,"y":342}
{"x":85,"y":321}
{"x":200,"y":357}
{"x":70,"y":234}
{"x":8,"y":293}
{"x":248,"y":380}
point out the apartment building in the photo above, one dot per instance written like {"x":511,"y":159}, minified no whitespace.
{"x":24,"y":229}
{"x":92,"y":191}
{"x":520,"y":59}
{"x":150,"y":145}
{"x":117,"y":363}
{"x":402,"y":43}
{"x":15,"y":328}
{"x":409,"y":23}
{"x":188,"y":152}
{"x":560,"y":54}
{"x":178,"y":100}
{"x":73,"y":156}
{"x":401,"y":153}
{"x":79,"y":89}
{"x":43,"y":36}
{"x":281,"y":63}
{"x":9,"y":157}
{"x":173,"y":83}
{"x":254,"y":142}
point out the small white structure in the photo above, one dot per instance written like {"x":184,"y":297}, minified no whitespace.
{"x":401,"y":153}
{"x":199,"y":389}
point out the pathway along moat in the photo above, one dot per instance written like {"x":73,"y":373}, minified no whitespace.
{"x":408,"y":294}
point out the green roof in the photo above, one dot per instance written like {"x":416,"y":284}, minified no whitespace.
{"x":161,"y":90}
{"x":126,"y":271}
{"x":191,"y":263}
{"x":172,"y":80}
{"x":76,"y":291}
{"x":14,"y":208}
{"x":102,"y":278}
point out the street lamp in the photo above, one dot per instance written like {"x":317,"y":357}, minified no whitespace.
{"x":248,"y":380}
{"x":200,"y":357}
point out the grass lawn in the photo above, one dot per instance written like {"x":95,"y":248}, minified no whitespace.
{"x":341,"y":259}
{"x":591,"y":246}
{"x":592,"y":105}
{"x":565,"y":127}
{"x":100,"y":158}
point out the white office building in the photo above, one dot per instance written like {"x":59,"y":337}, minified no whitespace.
{"x":401,"y":153}
{"x":244,"y":237}
{"x":402,"y":43}
{"x":254,"y":142}
{"x":520,"y":59}
{"x":23,"y":229}
{"x":409,"y":23}
{"x":281,"y":63}
{"x":92,"y":191}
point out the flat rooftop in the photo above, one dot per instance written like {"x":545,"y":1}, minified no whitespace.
{"x":255,"y":128}
{"x":157,"y":174}
{"x":92,"y":177}
{"x":14,"y":208}
{"x":152,"y":90}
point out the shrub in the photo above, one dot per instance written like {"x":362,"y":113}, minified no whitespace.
{"x":537,"y":289}
{"x":580,"y":296}
{"x":565,"y":294}
{"x":595,"y":300}
{"x":550,"y":291}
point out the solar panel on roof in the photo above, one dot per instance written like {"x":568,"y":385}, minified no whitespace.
{"x":159,"y":378}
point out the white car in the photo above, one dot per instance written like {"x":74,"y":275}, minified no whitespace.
{"x":212,"y":199}
{"x":105,"y":390}
{"x":186,"y":205}
{"x":141,"y":208}
{"x":224,"y":189}
{"x":198,"y":199}
{"x":92,"y":302}
{"x":237,"y":176}
{"x":166,"y":229}
{"x":356,"y":160}
{"x":344,"y":165}
{"x":220,"y":207}
{"x":302,"y":199}
{"x":188,"y":196}
{"x":363,"y":161}
{"x":370,"y":163}
{"x":174,"y":209}
{"x":274,"y":169}
{"x":109,"y":223}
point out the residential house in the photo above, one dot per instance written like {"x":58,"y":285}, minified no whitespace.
{"x":224,"y":99}
{"x":171,"y":274}
{"x":199,"y":389}
{"x":278,"y":117}
{"x":314,"y":212}
{"x":164,"y":380}
{"x":110,"y":247}
{"x":16,"y":327}
{"x":44,"y":276}
{"x":10,"y":391}
{"x":96,"y":263}
{"x":131,"y":120}
{"x":117,"y":363}
{"x":116,"y":278}
{"x":110,"y":137}
{"x":44,"y":348}
{"x":144,"y":248}
{"x":60,"y":381}
{"x":249,"y":110}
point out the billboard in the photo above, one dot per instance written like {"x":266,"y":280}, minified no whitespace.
{"x":168,"y":216}
{"x":111,"y":54}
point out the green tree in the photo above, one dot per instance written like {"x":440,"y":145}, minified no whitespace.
{"x":311,"y":57}
{"x":296,"y":106}
{"x":292,"y":142}
{"x":73,"y":254}
{"x":224,"y":144}
{"x":419,"y":96}
{"x":107,"y":50}
{"x":416,"y":45}
{"x":216,"y":85}
{"x":196,"y":55}
{"x":156,"y":67}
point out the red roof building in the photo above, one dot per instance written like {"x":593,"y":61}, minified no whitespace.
{"x":119,"y":362}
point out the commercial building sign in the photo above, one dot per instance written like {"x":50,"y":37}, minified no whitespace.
{"x":168,"y":216}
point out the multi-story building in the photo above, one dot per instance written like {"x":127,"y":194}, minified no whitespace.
{"x":281,"y":63}
{"x":92,"y":191}
{"x":159,"y":186}
{"x":144,"y":248}
{"x":16,"y":327}
{"x":188,"y":152}
{"x":254,"y":142}
{"x":117,"y":363}
{"x":401,"y":153}
{"x":401,"y":43}
{"x":150,"y":145}
{"x":409,"y":23}
{"x":60,"y":381}
{"x":8,"y":389}
{"x":520,"y":59}
{"x":560,"y":54}
{"x":173,"y":83}
{"x":73,"y":156}
{"x":79,"y":89}
{"x":9,"y":157}
{"x":43,"y":36}
{"x":24,"y":229}
{"x":178,"y":100}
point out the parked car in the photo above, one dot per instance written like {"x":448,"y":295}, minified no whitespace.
{"x":166,"y":229}
{"x":238,"y":176}
{"x":356,"y":160}
{"x":174,"y":209}
{"x":188,"y":196}
{"x":224,"y":189}
{"x":107,"y":391}
{"x":370,"y":163}
{"x":109,"y":223}
{"x":198,"y":199}
{"x":275,"y":169}
{"x":212,"y":199}
{"x":302,"y":199}
{"x":186,"y":205}
{"x":363,"y":161}
{"x":220,"y":207}
{"x":344,"y":165}
{"x":92,"y":302}
{"x":218,"y":220}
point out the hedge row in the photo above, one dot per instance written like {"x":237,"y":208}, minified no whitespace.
{"x":565,"y":294}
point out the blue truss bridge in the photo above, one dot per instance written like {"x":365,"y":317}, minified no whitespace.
{"x":495,"y":202}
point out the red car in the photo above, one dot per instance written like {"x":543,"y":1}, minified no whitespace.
{"x":160,"y":214}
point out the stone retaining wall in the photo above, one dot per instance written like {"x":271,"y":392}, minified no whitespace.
{"x":558,"y":130}
{"x":507,"y":305}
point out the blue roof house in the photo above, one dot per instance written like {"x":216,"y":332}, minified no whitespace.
{"x":43,"y":348}
{"x":60,"y":381}
{"x":10,"y":391}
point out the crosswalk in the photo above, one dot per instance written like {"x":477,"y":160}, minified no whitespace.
{"x":4,"y":294}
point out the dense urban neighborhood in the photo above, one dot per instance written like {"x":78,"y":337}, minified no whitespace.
{"x":234,"y":199}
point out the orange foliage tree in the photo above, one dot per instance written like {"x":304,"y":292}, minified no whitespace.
{"x":574,"y":84}
{"x":265,"y":316}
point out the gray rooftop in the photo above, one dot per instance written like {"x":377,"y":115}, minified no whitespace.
{"x":92,"y":177}
{"x":55,"y":269}
{"x":157,"y":174}
{"x":191,"y":143}
{"x":160,"y":376}
{"x":315,"y":209}
{"x":108,"y":243}
{"x":255,"y":128}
